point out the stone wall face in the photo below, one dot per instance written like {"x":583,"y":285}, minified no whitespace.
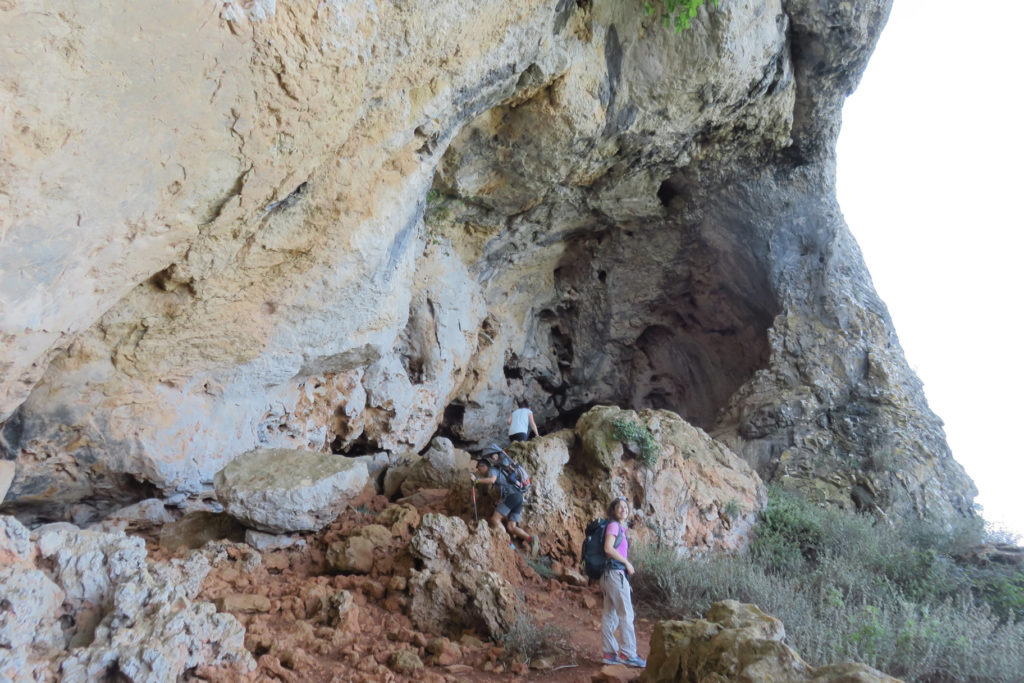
{"x":347,"y":226}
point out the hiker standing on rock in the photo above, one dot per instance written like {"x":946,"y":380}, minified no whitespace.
{"x":521,"y":422}
{"x":511,"y":505}
{"x":618,"y":594}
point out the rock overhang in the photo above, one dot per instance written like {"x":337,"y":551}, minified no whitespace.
{"x":635,"y":217}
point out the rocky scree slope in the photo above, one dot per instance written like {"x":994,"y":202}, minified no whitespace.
{"x":413,"y":589}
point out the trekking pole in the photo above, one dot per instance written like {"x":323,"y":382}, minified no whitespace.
{"x":476,"y":519}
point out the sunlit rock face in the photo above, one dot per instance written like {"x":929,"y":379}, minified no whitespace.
{"x":348,"y":227}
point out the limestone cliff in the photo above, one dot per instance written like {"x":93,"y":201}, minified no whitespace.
{"x":350,"y":226}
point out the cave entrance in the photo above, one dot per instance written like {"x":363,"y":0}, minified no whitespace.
{"x":658,"y":316}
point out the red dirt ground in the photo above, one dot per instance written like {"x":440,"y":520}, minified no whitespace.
{"x":283,"y":605}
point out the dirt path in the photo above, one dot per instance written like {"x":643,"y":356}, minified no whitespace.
{"x":577,"y":612}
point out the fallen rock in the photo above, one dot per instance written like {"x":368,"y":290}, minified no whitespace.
{"x":267,"y":542}
{"x":433,"y":500}
{"x":442,"y":467}
{"x":445,"y":652}
{"x":243,"y":603}
{"x":401,"y":518}
{"x":376,"y":534}
{"x":146,"y":514}
{"x":30,"y":635}
{"x":465,"y":577}
{"x":351,"y":555}
{"x":738,"y":642}
{"x":283,"y":491}
{"x":343,"y":613}
{"x":196,"y":529}
{"x":697,"y":496}
{"x":615,"y":673}
{"x":405,"y":661}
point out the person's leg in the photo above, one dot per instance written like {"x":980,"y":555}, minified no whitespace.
{"x":501,"y":513}
{"x":514,"y":504}
{"x":516,"y":530}
{"x":496,"y":520}
{"x":626,"y":629}
{"x":609,"y":616}
{"x":518,"y":436}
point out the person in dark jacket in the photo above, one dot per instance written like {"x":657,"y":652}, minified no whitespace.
{"x":511,"y":505}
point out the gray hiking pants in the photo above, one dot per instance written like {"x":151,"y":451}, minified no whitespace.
{"x":618,"y":613}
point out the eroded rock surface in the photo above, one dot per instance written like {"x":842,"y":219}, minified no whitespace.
{"x":81,"y":605}
{"x":739,"y":642}
{"x":697,"y":497}
{"x":464,"y":580}
{"x":348,"y":227}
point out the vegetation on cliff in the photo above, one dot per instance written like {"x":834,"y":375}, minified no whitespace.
{"x":678,"y":14}
{"x":900,"y":598}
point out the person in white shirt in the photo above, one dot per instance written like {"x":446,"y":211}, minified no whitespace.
{"x":521,"y":423}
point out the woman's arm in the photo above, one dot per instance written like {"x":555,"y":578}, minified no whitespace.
{"x":610,"y":551}
{"x":534,"y":425}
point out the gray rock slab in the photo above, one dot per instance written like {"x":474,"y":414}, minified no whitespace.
{"x":281,"y":491}
{"x":269,"y":542}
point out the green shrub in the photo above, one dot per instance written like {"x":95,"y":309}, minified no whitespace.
{"x":788,"y":534}
{"x":526,"y":640}
{"x":631,"y":431}
{"x":541,"y":565}
{"x":851,"y":587}
{"x":677,"y":14}
{"x":1001,"y":588}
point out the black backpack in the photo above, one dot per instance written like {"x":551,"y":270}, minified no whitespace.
{"x":516,"y":476}
{"x":594,"y":559}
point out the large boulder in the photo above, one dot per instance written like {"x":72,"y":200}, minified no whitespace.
{"x":696,"y":497}
{"x":280,"y":491}
{"x":442,"y":467}
{"x":738,"y":642}
{"x":467,"y":577}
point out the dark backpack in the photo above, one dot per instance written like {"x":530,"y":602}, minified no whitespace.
{"x":594,"y":559}
{"x":516,"y":476}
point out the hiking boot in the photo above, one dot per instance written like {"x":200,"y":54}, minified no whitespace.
{"x":635,"y":662}
{"x":610,"y":658}
{"x":534,"y":545}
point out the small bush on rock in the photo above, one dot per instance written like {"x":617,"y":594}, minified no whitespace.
{"x":677,"y":14}
{"x":631,"y":431}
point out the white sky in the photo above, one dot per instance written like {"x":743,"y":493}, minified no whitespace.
{"x":930,"y":171}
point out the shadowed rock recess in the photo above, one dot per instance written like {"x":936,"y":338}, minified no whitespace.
{"x":351,"y":227}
